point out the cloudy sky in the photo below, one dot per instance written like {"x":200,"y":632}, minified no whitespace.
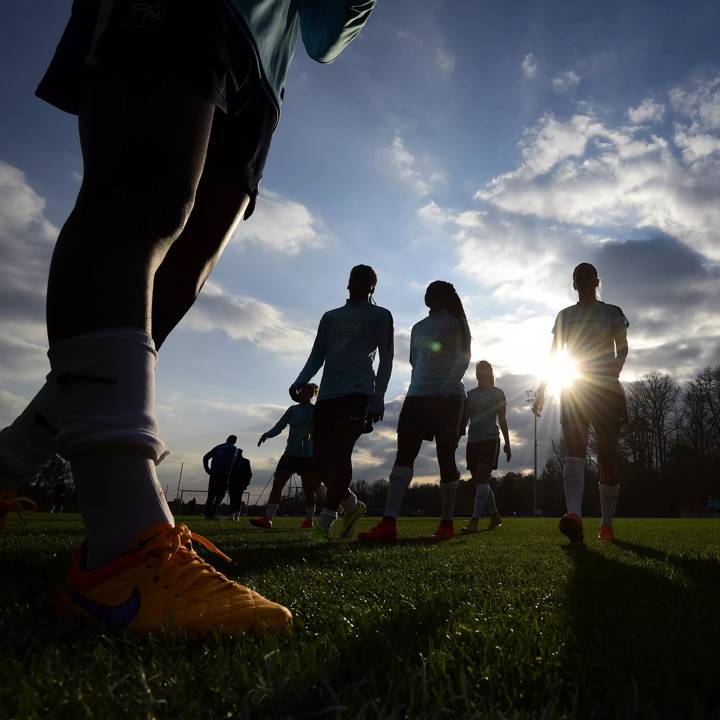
{"x":494,"y":145}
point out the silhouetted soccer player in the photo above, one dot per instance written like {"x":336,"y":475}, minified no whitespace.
{"x":595,"y":335}
{"x":297,"y":458}
{"x":351,"y":395}
{"x":486,"y":404}
{"x":238,"y":481}
{"x":177,"y":102}
{"x":434,"y":407}
{"x":217,"y":463}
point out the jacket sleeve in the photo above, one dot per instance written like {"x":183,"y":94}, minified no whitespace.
{"x":280,"y":425}
{"x":386,"y":353}
{"x":207,"y":457}
{"x":329,"y":26}
{"x":317,"y":354}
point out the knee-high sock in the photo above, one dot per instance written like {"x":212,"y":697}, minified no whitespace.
{"x":491,"y":506}
{"x":574,"y":483}
{"x":608,"y":503}
{"x":349,"y":502}
{"x":400,"y":478}
{"x":448,"y":492}
{"x":482,"y":492}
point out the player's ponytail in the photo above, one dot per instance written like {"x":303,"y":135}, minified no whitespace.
{"x":443,"y":296}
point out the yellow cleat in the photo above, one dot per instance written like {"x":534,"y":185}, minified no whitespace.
{"x":162,"y":584}
{"x":10,"y":503}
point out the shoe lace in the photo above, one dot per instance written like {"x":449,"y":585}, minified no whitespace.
{"x":181,"y":566}
{"x":19,"y":505}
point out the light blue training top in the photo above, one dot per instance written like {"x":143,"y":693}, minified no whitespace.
{"x":439,"y":355}
{"x":347,"y":340}
{"x":483,"y":406}
{"x":300,"y":419}
{"x":271,"y":26}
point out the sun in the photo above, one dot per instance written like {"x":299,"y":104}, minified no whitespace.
{"x":561,"y":372}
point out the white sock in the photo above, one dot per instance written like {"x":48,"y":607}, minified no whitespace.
{"x":326,"y":519}
{"x":448,"y":491}
{"x":608,"y":502}
{"x":574,"y":483}
{"x":400,"y":478}
{"x":491,"y":506}
{"x":309,"y":512}
{"x":482,"y":491}
{"x":270,"y":510}
{"x":349,"y":504}
{"x":119,"y":496}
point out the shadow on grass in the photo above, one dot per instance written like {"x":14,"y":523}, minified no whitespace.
{"x":645,"y":639}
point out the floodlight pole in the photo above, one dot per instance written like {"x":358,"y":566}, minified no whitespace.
{"x":530,"y":396}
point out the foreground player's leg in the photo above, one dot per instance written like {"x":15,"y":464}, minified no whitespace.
{"x":609,"y":487}
{"x":400,"y":477}
{"x":111,"y":369}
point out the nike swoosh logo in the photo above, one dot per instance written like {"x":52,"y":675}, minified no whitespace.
{"x":115,"y":617}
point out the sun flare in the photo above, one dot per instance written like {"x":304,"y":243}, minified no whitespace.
{"x":561,"y":372}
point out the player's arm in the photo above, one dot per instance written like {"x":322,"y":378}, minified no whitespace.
{"x":207,"y":457}
{"x":621,"y":349}
{"x":329,"y":26}
{"x":316,"y":359}
{"x":276,"y":429}
{"x":386,"y":353}
{"x":461,"y":361}
{"x":502,"y":422}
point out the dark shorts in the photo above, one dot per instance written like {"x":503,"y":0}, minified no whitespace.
{"x":142,"y":45}
{"x":350,"y":411}
{"x":485,"y":451}
{"x":597,"y":402}
{"x":296,"y":465}
{"x":431,"y":416}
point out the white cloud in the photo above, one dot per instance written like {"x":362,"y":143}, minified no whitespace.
{"x":529,"y":66}
{"x":249,"y":319}
{"x":418,"y":172}
{"x":26,"y":244}
{"x":281,"y":225}
{"x":444,"y":61}
{"x":566,"y":81}
{"x":648,"y":111}
{"x":701,"y":103}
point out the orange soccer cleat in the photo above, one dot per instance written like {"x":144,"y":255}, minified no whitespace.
{"x":445,"y":531}
{"x":605,"y":533}
{"x":162,"y":584}
{"x":9,"y":502}
{"x":571,"y":526}
{"x":261,"y":522}
{"x":384,"y":531}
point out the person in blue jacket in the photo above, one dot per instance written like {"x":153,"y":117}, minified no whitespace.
{"x":297,"y":458}
{"x":177,"y":101}
{"x":352,"y":394}
{"x":217,"y":464}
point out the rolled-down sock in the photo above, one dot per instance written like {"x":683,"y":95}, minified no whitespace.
{"x":574,"y":483}
{"x":448,"y":492}
{"x":400,"y":478}
{"x":326,"y":518}
{"x":349,"y":503}
{"x":102,"y":406}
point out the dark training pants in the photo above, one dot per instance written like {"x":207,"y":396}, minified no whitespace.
{"x":216,"y":492}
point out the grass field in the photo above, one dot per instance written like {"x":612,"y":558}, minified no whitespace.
{"x":509,"y":624}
